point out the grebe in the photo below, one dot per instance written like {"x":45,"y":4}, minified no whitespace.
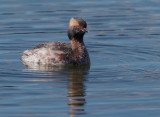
{"x":57,"y":53}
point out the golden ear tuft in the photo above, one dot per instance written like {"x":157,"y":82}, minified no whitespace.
{"x":73,"y":22}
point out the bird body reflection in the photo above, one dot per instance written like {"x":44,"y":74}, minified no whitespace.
{"x":76,"y":76}
{"x":76,"y":93}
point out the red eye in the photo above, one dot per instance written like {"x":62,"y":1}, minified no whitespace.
{"x":82,"y":29}
{"x":79,"y":28}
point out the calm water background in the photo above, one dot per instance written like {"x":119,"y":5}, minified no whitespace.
{"x":124,"y":47}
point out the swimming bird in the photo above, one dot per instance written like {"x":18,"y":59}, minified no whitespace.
{"x":58,"y":53}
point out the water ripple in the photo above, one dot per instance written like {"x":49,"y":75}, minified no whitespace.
{"x":123,"y":43}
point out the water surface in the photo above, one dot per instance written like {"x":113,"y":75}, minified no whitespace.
{"x":123,"y":43}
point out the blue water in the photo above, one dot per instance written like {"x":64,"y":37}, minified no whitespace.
{"x":124,"y":47}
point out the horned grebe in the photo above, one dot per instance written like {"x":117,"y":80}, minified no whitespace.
{"x":57,"y":53}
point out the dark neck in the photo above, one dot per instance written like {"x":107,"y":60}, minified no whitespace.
{"x":78,"y":48}
{"x":77,"y":44}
